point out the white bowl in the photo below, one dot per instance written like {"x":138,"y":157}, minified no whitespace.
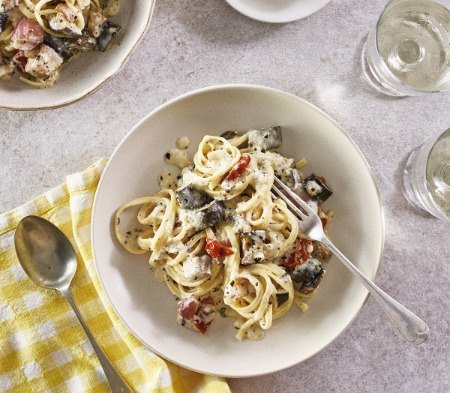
{"x":147,"y":306}
{"x":277,"y":11}
{"x":88,"y":71}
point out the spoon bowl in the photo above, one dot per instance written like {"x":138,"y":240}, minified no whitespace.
{"x":45,"y":253}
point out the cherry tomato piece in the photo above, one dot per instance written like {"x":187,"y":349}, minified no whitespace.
{"x":216,"y":249}
{"x":300,"y":254}
{"x":238,"y":169}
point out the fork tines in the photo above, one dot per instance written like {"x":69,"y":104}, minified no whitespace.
{"x":300,"y":208}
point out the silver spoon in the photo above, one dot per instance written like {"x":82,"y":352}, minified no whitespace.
{"x":49,"y":259}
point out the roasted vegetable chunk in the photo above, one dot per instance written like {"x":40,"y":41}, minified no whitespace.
{"x":208,"y":216}
{"x":191,"y":198}
{"x":282,"y":298}
{"x":306,"y":277}
{"x":229,"y":135}
{"x":213,"y":214}
{"x":59,"y":45}
{"x":83,"y":42}
{"x":265,"y":138}
{"x":317,"y":188}
{"x":3,"y":20}
{"x":108,"y":32}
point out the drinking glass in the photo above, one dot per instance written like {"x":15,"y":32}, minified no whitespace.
{"x":408,"y":52}
{"x":426,"y":176}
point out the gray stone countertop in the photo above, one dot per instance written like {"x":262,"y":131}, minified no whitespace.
{"x":192,"y":44}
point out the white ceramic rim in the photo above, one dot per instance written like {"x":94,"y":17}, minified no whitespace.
{"x":94,"y":88}
{"x":242,"y":86}
{"x":237,"y":5}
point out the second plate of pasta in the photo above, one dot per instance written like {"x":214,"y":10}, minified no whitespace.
{"x":214,"y":250}
{"x":57,"y":52}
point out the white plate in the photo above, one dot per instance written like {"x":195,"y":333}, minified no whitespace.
{"x":277,"y":11}
{"x":147,"y":306}
{"x":88,"y":71}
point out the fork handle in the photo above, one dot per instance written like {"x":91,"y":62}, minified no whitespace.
{"x":408,"y":324}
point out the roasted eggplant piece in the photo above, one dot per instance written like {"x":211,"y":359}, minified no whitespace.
{"x":317,"y":188}
{"x":108,"y":32}
{"x":213,"y":214}
{"x":83,"y":43}
{"x":208,"y":216}
{"x":229,"y":135}
{"x":59,"y":45}
{"x":3,"y":20}
{"x":306,"y":277}
{"x":191,"y":198}
{"x":252,"y":247}
{"x":265,"y":138}
{"x":282,"y":298}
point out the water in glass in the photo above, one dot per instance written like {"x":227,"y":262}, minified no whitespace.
{"x":408,"y":53}
{"x":414,"y":42}
{"x":427,"y":176}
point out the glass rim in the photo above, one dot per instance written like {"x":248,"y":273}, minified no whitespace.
{"x":438,"y":213}
{"x":435,"y":140}
{"x":392,"y":75}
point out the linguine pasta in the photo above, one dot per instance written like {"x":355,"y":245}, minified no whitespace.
{"x":219,"y":239}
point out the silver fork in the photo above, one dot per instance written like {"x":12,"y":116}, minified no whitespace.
{"x":409,"y":325}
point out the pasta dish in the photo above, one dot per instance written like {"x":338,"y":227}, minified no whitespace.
{"x":38,"y":36}
{"x":219,"y":239}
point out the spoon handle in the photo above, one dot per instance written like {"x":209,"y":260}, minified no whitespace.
{"x":116,"y":382}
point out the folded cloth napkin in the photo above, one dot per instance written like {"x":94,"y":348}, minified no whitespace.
{"x":42,"y":345}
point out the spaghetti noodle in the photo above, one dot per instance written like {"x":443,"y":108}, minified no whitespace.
{"x":221,"y":241}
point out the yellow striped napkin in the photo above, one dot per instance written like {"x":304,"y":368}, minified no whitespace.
{"x":42,"y":346}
